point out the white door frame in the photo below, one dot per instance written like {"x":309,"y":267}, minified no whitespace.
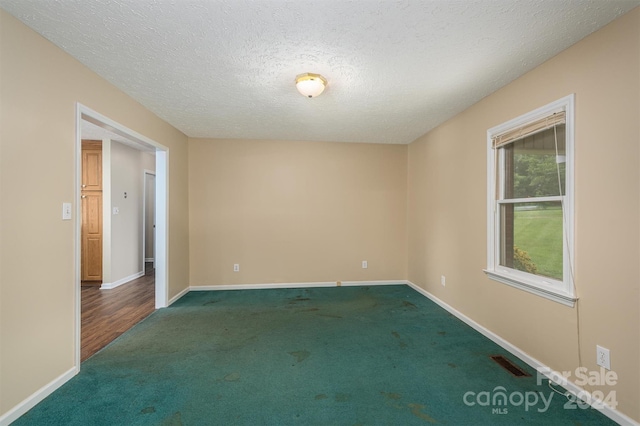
{"x":162,"y":208}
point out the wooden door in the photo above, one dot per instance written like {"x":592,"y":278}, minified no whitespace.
{"x":91,"y":193}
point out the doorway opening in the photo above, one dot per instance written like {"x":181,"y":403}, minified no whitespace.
{"x":149,"y":217}
{"x":106,"y":131}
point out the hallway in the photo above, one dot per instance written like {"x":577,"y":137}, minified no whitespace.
{"x":106,"y":314}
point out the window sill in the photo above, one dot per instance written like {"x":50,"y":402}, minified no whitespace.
{"x":553,"y":294}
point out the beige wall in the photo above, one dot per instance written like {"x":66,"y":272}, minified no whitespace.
{"x":39,"y":88}
{"x":447,"y":211}
{"x":291,"y":212}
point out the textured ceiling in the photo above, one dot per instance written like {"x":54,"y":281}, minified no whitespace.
{"x":396,"y":69}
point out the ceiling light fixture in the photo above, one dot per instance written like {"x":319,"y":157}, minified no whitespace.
{"x":310,"y":85}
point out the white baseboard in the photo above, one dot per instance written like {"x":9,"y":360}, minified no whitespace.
{"x":17,"y":411}
{"x":372,"y":283}
{"x":294,"y":285}
{"x":109,"y":286}
{"x":570,"y":386}
{"x":178,"y":296}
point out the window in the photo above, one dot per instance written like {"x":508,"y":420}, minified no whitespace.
{"x":530,"y":202}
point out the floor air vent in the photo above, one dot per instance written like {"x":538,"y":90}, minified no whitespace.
{"x":509,"y":366}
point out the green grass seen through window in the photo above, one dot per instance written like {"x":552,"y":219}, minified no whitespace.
{"x":539,"y":233}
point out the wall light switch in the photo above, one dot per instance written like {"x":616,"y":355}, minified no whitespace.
{"x":236,"y":267}
{"x":116,"y":210}
{"x":365,"y":264}
{"x":66,"y":211}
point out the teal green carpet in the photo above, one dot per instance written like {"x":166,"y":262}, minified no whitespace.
{"x":381,"y":355}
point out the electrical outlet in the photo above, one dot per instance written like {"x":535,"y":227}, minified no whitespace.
{"x":443,"y":280}
{"x":602,"y":357}
{"x":236,"y":267}
{"x":365,"y":265}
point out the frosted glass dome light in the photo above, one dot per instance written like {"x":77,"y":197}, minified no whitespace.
{"x":310,"y":85}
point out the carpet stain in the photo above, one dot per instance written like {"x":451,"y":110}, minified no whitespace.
{"x":391,"y":395}
{"x":397,"y":336}
{"x":307,"y":310}
{"x":392,"y":399}
{"x":416,"y":410}
{"x":300,"y":355}
{"x":174,"y":420}
{"x":452,"y":365}
{"x":343,"y":397}
{"x":148,"y":410}
{"x":233,"y":377}
{"x":329,"y":316}
{"x":442,"y":333}
{"x":321,"y":396}
{"x":408,"y":305}
{"x":299,"y":299}
{"x":211,"y":302}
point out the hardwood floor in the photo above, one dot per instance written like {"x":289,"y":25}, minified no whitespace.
{"x":106,"y":314}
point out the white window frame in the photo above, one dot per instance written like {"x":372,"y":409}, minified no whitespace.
{"x":556,"y":290}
